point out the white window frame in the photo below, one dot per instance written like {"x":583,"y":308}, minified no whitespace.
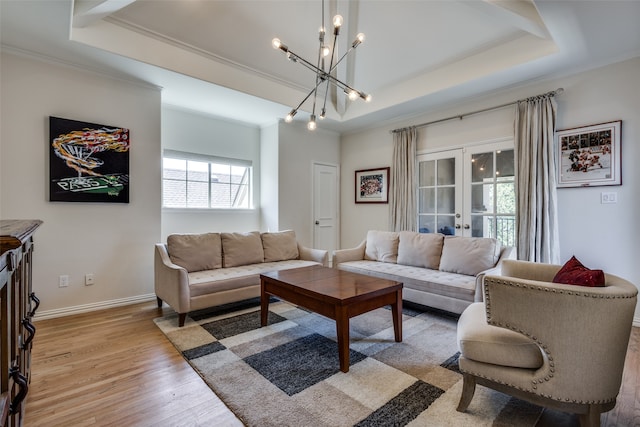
{"x":209,"y":159}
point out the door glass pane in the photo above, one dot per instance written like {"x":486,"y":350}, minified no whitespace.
{"x":446,"y":225}
{"x":506,"y":230}
{"x":506,"y":198}
{"x":427,"y":200}
{"x":505,"y":163}
{"x":427,"y":173}
{"x":481,"y":167}
{"x":446,"y":200}
{"x":426,"y":223}
{"x":447,"y":171}
{"x":482,"y":226}
{"x":481,"y":198}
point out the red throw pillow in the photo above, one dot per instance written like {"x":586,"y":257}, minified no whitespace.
{"x":574,"y":273}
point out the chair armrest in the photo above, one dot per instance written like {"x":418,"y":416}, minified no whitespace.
{"x":351,"y":254}
{"x":507,"y":253}
{"x":171,"y":282}
{"x":530,"y":270}
{"x":318,"y":255}
{"x":583,"y":332}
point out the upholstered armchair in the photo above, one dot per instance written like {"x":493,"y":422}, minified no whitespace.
{"x":554,"y":345}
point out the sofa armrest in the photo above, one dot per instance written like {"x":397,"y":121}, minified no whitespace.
{"x":171,"y":282}
{"x":318,"y":255}
{"x":351,"y":254}
{"x":507,"y":253}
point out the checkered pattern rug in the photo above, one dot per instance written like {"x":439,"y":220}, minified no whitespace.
{"x":288,"y":373}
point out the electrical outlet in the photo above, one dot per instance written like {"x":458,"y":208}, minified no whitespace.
{"x":610,"y":197}
{"x":88,"y":279}
{"x":63,"y":281}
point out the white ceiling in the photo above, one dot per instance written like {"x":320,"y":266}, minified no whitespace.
{"x":215,"y":56}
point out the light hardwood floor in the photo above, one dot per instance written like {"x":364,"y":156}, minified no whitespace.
{"x":115,"y":368}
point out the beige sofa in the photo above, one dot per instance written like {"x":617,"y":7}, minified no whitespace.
{"x":437,"y":271}
{"x":196,"y":271}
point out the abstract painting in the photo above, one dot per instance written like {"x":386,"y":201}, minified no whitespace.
{"x":88,"y":162}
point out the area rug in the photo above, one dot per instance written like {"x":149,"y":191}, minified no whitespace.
{"x":288,"y":374}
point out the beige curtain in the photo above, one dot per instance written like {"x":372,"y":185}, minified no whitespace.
{"x":403,"y":209}
{"x":537,"y":219}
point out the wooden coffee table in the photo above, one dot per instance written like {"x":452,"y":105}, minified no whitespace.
{"x":336,"y":294}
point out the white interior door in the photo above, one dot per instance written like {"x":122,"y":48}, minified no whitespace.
{"x":325,"y":207}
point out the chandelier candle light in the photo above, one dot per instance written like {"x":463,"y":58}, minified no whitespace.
{"x":323,"y":73}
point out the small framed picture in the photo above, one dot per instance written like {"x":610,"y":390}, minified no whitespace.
{"x":589,"y":156}
{"x":372,"y":185}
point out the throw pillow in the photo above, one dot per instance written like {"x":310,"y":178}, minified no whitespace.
{"x":574,"y":273}
{"x":195,"y":252}
{"x":419,"y":249}
{"x":280,"y":246}
{"x":381,"y":246}
{"x":241,"y":248}
{"x":469,"y":255}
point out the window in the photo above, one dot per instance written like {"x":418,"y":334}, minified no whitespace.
{"x":205,"y":182}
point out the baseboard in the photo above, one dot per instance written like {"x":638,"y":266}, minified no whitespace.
{"x":636,"y":322}
{"x":85,"y":308}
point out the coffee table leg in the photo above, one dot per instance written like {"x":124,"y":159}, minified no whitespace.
{"x":264,"y":304}
{"x":396,"y":312}
{"x":342,"y":329}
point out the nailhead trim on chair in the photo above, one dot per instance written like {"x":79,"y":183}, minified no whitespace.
{"x":548,"y":375}
{"x":548,"y":396}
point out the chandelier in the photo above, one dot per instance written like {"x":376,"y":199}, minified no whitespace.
{"x":325,"y":73}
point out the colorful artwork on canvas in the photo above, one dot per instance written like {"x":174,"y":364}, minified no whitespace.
{"x":88,"y":162}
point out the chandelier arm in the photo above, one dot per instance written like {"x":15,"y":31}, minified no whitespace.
{"x":326,"y":95}
{"x":304,"y":62}
{"x":341,"y":58}
{"x":305,"y":99}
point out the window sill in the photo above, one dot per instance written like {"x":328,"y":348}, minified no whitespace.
{"x":207,"y":210}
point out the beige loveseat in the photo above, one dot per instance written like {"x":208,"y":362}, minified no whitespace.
{"x":196,"y":271}
{"x":437,"y":271}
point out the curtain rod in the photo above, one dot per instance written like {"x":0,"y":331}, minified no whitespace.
{"x":461,"y":116}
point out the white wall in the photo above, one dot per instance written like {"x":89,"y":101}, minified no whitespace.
{"x":269,"y":178}
{"x":602,"y":236}
{"x":112,"y":241}
{"x":191,"y":131}
{"x":298,"y":149}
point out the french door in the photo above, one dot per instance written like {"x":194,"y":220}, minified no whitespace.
{"x":468,"y":192}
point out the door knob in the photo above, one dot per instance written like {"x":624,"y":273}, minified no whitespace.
{"x":457,"y":226}
{"x":466,"y":226}
{"x":317,"y":222}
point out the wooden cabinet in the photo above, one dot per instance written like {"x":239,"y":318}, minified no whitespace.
{"x":18,"y":305}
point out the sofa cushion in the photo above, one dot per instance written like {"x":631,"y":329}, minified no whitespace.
{"x":195,"y":252}
{"x":479,"y":341}
{"x":241,"y":248}
{"x":574,"y":273}
{"x":382,"y":246}
{"x":280,"y":246}
{"x":420,"y":249}
{"x":469,"y":255}
{"x":451,"y":285}
{"x":203,"y":283}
